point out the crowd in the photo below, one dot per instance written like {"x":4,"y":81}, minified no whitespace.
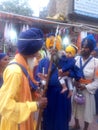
{"x":46,"y":78}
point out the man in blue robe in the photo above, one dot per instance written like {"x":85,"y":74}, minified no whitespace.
{"x":57,"y":114}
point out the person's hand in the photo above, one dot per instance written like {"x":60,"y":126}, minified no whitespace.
{"x":60,"y":72}
{"x":42,"y":103}
{"x":82,"y":87}
{"x":42,"y":76}
{"x":76,"y":84}
{"x":65,"y":73}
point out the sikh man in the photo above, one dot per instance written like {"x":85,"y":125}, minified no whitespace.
{"x":16,"y":104}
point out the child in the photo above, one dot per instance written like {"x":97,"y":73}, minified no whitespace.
{"x":67,"y":64}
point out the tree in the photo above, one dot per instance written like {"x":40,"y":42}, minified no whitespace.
{"x":20,"y":7}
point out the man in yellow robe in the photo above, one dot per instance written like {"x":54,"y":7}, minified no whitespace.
{"x":16,"y":104}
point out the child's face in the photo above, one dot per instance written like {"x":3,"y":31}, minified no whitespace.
{"x":69,"y":54}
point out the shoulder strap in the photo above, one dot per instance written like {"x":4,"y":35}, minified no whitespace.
{"x":32,"y":85}
{"x":82,"y":66}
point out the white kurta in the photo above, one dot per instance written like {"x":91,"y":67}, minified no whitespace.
{"x":87,"y":111}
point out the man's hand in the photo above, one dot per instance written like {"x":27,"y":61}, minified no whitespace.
{"x":42,"y":102}
{"x":42,"y":76}
{"x":82,"y":87}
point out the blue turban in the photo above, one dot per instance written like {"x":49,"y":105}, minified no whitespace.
{"x":89,"y":42}
{"x":51,"y":34}
{"x":30,"y":41}
{"x":2,"y":55}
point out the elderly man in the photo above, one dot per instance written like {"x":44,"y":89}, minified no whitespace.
{"x":16,"y":104}
{"x":56,"y":115}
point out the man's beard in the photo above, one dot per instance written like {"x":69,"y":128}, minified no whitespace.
{"x":56,"y":57}
{"x":61,"y":53}
{"x":49,"y":55}
{"x":31,"y":62}
{"x":85,"y":54}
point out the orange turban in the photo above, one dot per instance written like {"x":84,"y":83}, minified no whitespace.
{"x":52,"y":39}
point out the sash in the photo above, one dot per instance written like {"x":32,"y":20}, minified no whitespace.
{"x":32,"y":85}
{"x":83,"y":80}
{"x":82,"y":66}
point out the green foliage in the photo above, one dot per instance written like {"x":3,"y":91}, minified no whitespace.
{"x":44,"y":13}
{"x":20,"y":7}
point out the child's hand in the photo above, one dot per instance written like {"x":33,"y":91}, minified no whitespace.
{"x":60,"y":72}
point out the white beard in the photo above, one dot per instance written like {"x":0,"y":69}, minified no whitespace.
{"x":61,"y":53}
{"x":31,"y":62}
{"x":48,"y":55}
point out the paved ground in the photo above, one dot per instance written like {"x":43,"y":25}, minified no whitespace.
{"x":92,"y":126}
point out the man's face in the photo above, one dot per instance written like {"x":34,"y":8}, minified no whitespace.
{"x":85,"y":52}
{"x":69,"y":54}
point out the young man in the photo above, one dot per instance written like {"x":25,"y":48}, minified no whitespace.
{"x":16,"y":104}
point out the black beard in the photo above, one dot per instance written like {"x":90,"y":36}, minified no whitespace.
{"x":85,"y":54}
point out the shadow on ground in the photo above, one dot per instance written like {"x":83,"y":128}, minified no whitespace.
{"x":92,"y":126}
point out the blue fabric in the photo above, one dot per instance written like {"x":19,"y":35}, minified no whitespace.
{"x":96,"y":50}
{"x":51,"y":34}
{"x":57,"y":114}
{"x":82,"y":66}
{"x":68,"y":64}
{"x":89,"y":42}
{"x":1,"y":81}
{"x":30,"y":41}
{"x":96,"y":101}
{"x":2,"y":55}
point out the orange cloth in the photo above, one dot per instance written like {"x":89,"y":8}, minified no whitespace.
{"x":96,"y":73}
{"x":25,"y":93}
{"x":51,"y":40}
{"x":85,"y":81}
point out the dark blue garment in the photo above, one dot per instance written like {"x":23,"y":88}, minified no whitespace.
{"x":1,"y":81}
{"x":68,"y":64}
{"x":96,"y":101}
{"x":57,"y":114}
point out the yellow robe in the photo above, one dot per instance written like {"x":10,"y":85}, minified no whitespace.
{"x":16,"y":104}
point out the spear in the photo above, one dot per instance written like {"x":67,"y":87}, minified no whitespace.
{"x":47,"y":80}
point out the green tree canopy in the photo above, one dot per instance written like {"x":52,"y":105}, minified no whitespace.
{"x":20,"y":7}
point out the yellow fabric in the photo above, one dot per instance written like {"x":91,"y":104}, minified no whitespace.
{"x":16,"y":104}
{"x":71,"y":49}
{"x":96,"y":73}
{"x":51,"y":40}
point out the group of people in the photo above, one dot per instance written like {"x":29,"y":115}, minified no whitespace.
{"x":20,"y":97}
